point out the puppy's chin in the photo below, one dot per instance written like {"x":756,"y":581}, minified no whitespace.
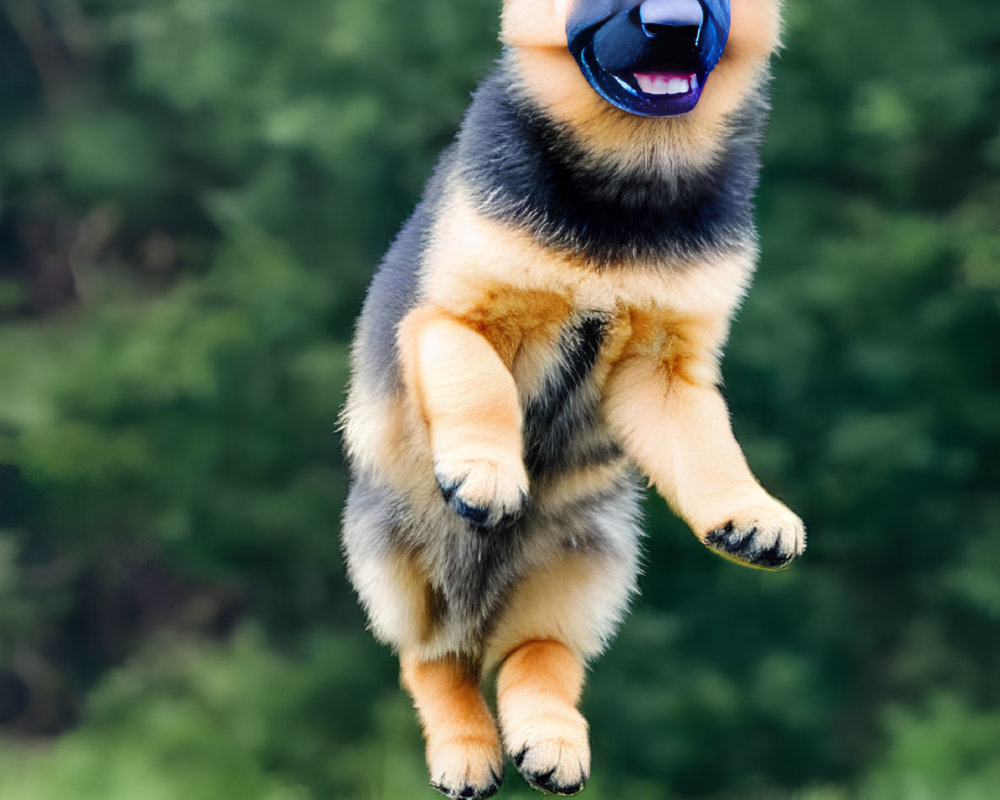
{"x":552,"y":81}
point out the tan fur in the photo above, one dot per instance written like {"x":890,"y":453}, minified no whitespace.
{"x":582,"y":482}
{"x":538,"y":687}
{"x":376,"y":432}
{"x":463,"y":747}
{"x":535,"y":23}
{"x":576,"y":600}
{"x":400,"y":603}
{"x":506,"y":319}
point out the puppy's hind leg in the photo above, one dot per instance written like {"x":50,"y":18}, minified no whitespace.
{"x":463,"y":747}
{"x":538,"y":687}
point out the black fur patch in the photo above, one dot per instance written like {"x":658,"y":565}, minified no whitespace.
{"x":524,"y":169}
{"x":561,"y":423}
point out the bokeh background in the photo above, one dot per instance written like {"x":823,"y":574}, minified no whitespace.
{"x":193,"y":196}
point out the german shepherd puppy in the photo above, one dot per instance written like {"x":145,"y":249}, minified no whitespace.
{"x":549,"y":322}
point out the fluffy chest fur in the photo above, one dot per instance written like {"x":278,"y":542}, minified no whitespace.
{"x":529,"y":227}
{"x":639,"y":202}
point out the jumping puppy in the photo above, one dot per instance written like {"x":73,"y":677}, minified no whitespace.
{"x":550,"y":319}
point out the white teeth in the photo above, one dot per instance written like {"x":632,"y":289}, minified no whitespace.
{"x":661,"y":84}
{"x":678,"y":86}
{"x":647,"y":83}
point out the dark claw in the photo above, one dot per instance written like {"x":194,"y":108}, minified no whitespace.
{"x":447,"y":489}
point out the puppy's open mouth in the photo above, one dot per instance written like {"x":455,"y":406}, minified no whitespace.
{"x":654,"y":58}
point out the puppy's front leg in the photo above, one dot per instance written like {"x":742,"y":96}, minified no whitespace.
{"x":468,"y":399}
{"x":675,"y":426}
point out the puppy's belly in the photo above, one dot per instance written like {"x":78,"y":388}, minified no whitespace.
{"x":430,"y":580}
{"x":433,"y":582}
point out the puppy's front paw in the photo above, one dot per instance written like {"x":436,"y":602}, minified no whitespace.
{"x":466,"y":768}
{"x":767,"y":537}
{"x":552,"y":752}
{"x":486,"y":493}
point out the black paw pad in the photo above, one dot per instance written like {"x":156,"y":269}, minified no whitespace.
{"x":772,"y":559}
{"x":743,"y":543}
{"x":546,"y":780}
{"x":730,"y":539}
{"x":478,"y":516}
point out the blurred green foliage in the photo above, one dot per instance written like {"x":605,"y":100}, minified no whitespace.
{"x":192,"y":199}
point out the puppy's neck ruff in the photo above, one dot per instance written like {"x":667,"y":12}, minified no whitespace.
{"x":643,"y":200}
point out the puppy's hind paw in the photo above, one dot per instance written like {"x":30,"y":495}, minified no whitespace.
{"x":466,"y":769}
{"x":563,"y":778}
{"x":766,"y":538}
{"x":553,"y":753}
{"x":485,"y":493}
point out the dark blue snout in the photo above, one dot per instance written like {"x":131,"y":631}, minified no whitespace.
{"x":656,"y":14}
{"x":650,"y":58}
